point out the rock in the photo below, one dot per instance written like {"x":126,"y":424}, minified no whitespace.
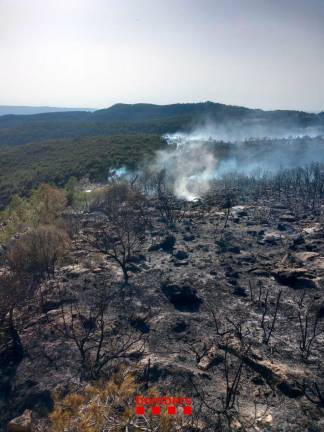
{"x":240,"y":291}
{"x":272,"y":237}
{"x":259,"y":272}
{"x":22,"y":423}
{"x":265,"y":420}
{"x":154,"y":247}
{"x":239,"y":211}
{"x":180,"y":263}
{"x":79,"y":253}
{"x":97,"y":270}
{"x":167,"y":369}
{"x":287,"y":218}
{"x":318,"y":263}
{"x":183,"y":296}
{"x":246,"y":257}
{"x":233,"y":249}
{"x":230,"y":273}
{"x":137,"y":259}
{"x":283,"y":375}
{"x":187,"y":223}
{"x":297,"y":278}
{"x":213,"y":358}
{"x":232,"y":281}
{"x":235,"y":425}
{"x":304,"y":257}
{"x":74,"y":271}
{"x":228,"y":243}
{"x":298,"y":240}
{"x":282,"y":227}
{"x":188,"y":237}
{"x":181,"y":255}
{"x":312,"y":230}
{"x":51,"y":305}
{"x":278,"y":206}
{"x":167,"y":244}
{"x":203,"y":247}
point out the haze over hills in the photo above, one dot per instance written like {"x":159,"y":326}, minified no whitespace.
{"x":30,"y":110}
{"x":52,"y":147}
{"x":156,"y":119}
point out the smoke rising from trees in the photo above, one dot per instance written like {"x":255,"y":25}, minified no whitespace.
{"x":192,"y":160}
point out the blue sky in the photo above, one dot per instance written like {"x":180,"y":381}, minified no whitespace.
{"x":93,"y":53}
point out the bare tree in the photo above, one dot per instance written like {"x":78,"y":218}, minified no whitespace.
{"x":299,"y":189}
{"x":171,"y":209}
{"x":234,"y":328}
{"x":309,"y":326}
{"x":227,"y":204}
{"x":239,"y":332}
{"x":229,"y":408}
{"x":199,"y":349}
{"x":268,"y":326}
{"x":86,"y":322}
{"x":15,"y":292}
{"x":232,"y":383}
{"x":124,"y":230}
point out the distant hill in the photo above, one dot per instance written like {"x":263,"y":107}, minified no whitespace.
{"x":29,"y":110}
{"x":53,"y":146}
{"x":152,"y":119}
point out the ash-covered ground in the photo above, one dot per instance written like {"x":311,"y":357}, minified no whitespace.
{"x":223,"y":303}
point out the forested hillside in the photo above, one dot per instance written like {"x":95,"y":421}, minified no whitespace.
{"x":26,"y":166}
{"x":147,"y":118}
{"x":52,"y":147}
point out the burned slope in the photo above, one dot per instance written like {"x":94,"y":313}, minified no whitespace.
{"x":221,"y":304}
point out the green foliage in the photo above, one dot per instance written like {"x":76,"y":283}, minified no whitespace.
{"x":24,"y":167}
{"x":37,"y":251}
{"x":15,"y":218}
{"x":44,"y":207}
{"x":70,"y":189}
{"x":76,"y":198}
{"x":35,"y":232}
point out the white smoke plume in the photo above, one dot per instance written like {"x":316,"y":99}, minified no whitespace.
{"x":189,"y":166}
{"x":192,"y":160}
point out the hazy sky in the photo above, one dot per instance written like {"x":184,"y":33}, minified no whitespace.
{"x":93,"y":53}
